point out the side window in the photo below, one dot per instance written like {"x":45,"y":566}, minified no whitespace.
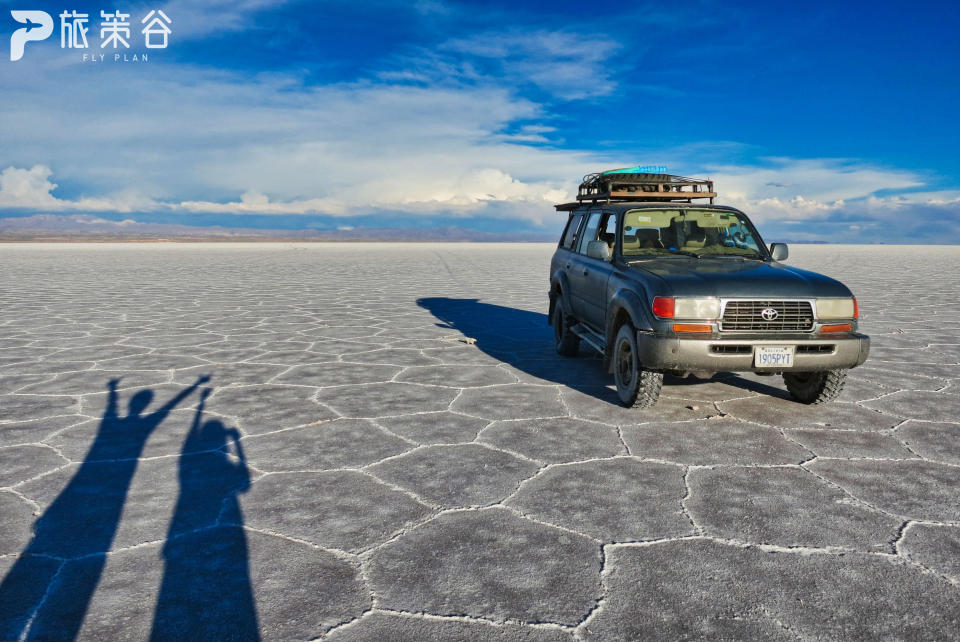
{"x":609,"y":231}
{"x":589,"y":232}
{"x":570,"y":236}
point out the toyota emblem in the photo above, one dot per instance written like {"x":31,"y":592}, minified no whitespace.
{"x":769,"y":314}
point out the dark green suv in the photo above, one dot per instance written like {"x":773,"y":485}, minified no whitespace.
{"x":659,"y":284}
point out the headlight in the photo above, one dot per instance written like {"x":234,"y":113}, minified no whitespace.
{"x":697,"y":308}
{"x":837,"y":308}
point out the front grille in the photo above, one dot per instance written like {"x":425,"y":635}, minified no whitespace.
{"x":747,"y":316}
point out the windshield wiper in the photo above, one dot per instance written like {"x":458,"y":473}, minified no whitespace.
{"x":661,"y":254}
{"x":742,"y":257}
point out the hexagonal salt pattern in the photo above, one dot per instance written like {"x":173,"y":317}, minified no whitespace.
{"x":785,"y":506}
{"x":388,"y":448}
{"x":645,"y":505}
{"x":489,"y":564}
{"x":703,"y":589}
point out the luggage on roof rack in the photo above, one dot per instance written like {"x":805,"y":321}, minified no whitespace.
{"x":630,"y":184}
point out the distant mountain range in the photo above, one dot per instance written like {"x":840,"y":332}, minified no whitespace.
{"x":84,"y":227}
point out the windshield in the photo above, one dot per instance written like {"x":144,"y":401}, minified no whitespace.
{"x":688,"y":232}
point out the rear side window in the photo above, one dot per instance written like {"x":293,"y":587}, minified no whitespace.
{"x":570,"y":236}
{"x":590,"y":231}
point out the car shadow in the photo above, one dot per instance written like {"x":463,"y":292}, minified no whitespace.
{"x":523,"y":340}
{"x":731,"y":379}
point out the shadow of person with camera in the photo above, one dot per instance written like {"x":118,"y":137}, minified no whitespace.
{"x":206,"y":592}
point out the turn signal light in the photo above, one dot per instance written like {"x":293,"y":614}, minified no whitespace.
{"x":856,"y":309}
{"x":692,"y":327}
{"x":663,"y":306}
{"x":839,"y":327}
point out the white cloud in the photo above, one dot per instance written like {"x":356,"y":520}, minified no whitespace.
{"x":456,"y":195}
{"x":838,"y":200}
{"x":893,"y":219}
{"x":258,"y":203}
{"x":28,"y":188}
{"x":195,"y":18}
{"x":566,"y":65}
{"x":825,"y":180}
{"x":32,"y":189}
{"x":569,"y":65}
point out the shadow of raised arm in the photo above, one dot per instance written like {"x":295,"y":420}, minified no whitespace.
{"x":158,"y":415}
{"x":198,"y":415}
{"x":110,"y":413}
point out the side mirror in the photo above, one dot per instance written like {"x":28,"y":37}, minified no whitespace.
{"x":598,"y":250}
{"x":779,"y":251}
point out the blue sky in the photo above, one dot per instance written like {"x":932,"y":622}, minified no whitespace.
{"x":823,"y":122}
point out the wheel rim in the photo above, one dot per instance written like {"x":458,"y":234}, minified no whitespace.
{"x":625,"y":362}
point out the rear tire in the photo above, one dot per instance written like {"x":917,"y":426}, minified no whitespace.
{"x":566,"y":342}
{"x":637,"y":386}
{"x":815,"y":387}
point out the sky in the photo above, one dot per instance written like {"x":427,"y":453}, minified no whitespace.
{"x":822,"y":121}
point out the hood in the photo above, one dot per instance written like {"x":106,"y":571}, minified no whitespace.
{"x":689,"y":276}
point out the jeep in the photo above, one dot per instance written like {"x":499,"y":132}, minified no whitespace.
{"x":660,"y":284}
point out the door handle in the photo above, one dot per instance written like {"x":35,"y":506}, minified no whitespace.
{"x":568,"y":266}
{"x":586,"y":272}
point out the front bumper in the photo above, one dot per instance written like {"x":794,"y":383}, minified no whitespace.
{"x":735,"y":354}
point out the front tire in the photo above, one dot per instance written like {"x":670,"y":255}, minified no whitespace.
{"x":815,"y":387}
{"x":637,"y":386}
{"x":566,"y":342}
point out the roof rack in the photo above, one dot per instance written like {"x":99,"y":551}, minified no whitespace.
{"x":632,"y":185}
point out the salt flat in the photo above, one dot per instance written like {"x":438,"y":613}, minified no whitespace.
{"x":357,"y":469}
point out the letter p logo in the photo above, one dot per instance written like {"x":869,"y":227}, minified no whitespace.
{"x":39,"y":27}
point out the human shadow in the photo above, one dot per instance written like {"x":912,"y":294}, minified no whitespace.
{"x":206,"y":592}
{"x":80,"y":524}
{"x":524,"y":340}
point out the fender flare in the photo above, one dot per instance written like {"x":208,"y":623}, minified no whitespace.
{"x":559,"y":282}
{"x":627,"y":301}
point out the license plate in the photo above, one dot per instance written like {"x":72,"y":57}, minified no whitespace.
{"x":773,"y":357}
